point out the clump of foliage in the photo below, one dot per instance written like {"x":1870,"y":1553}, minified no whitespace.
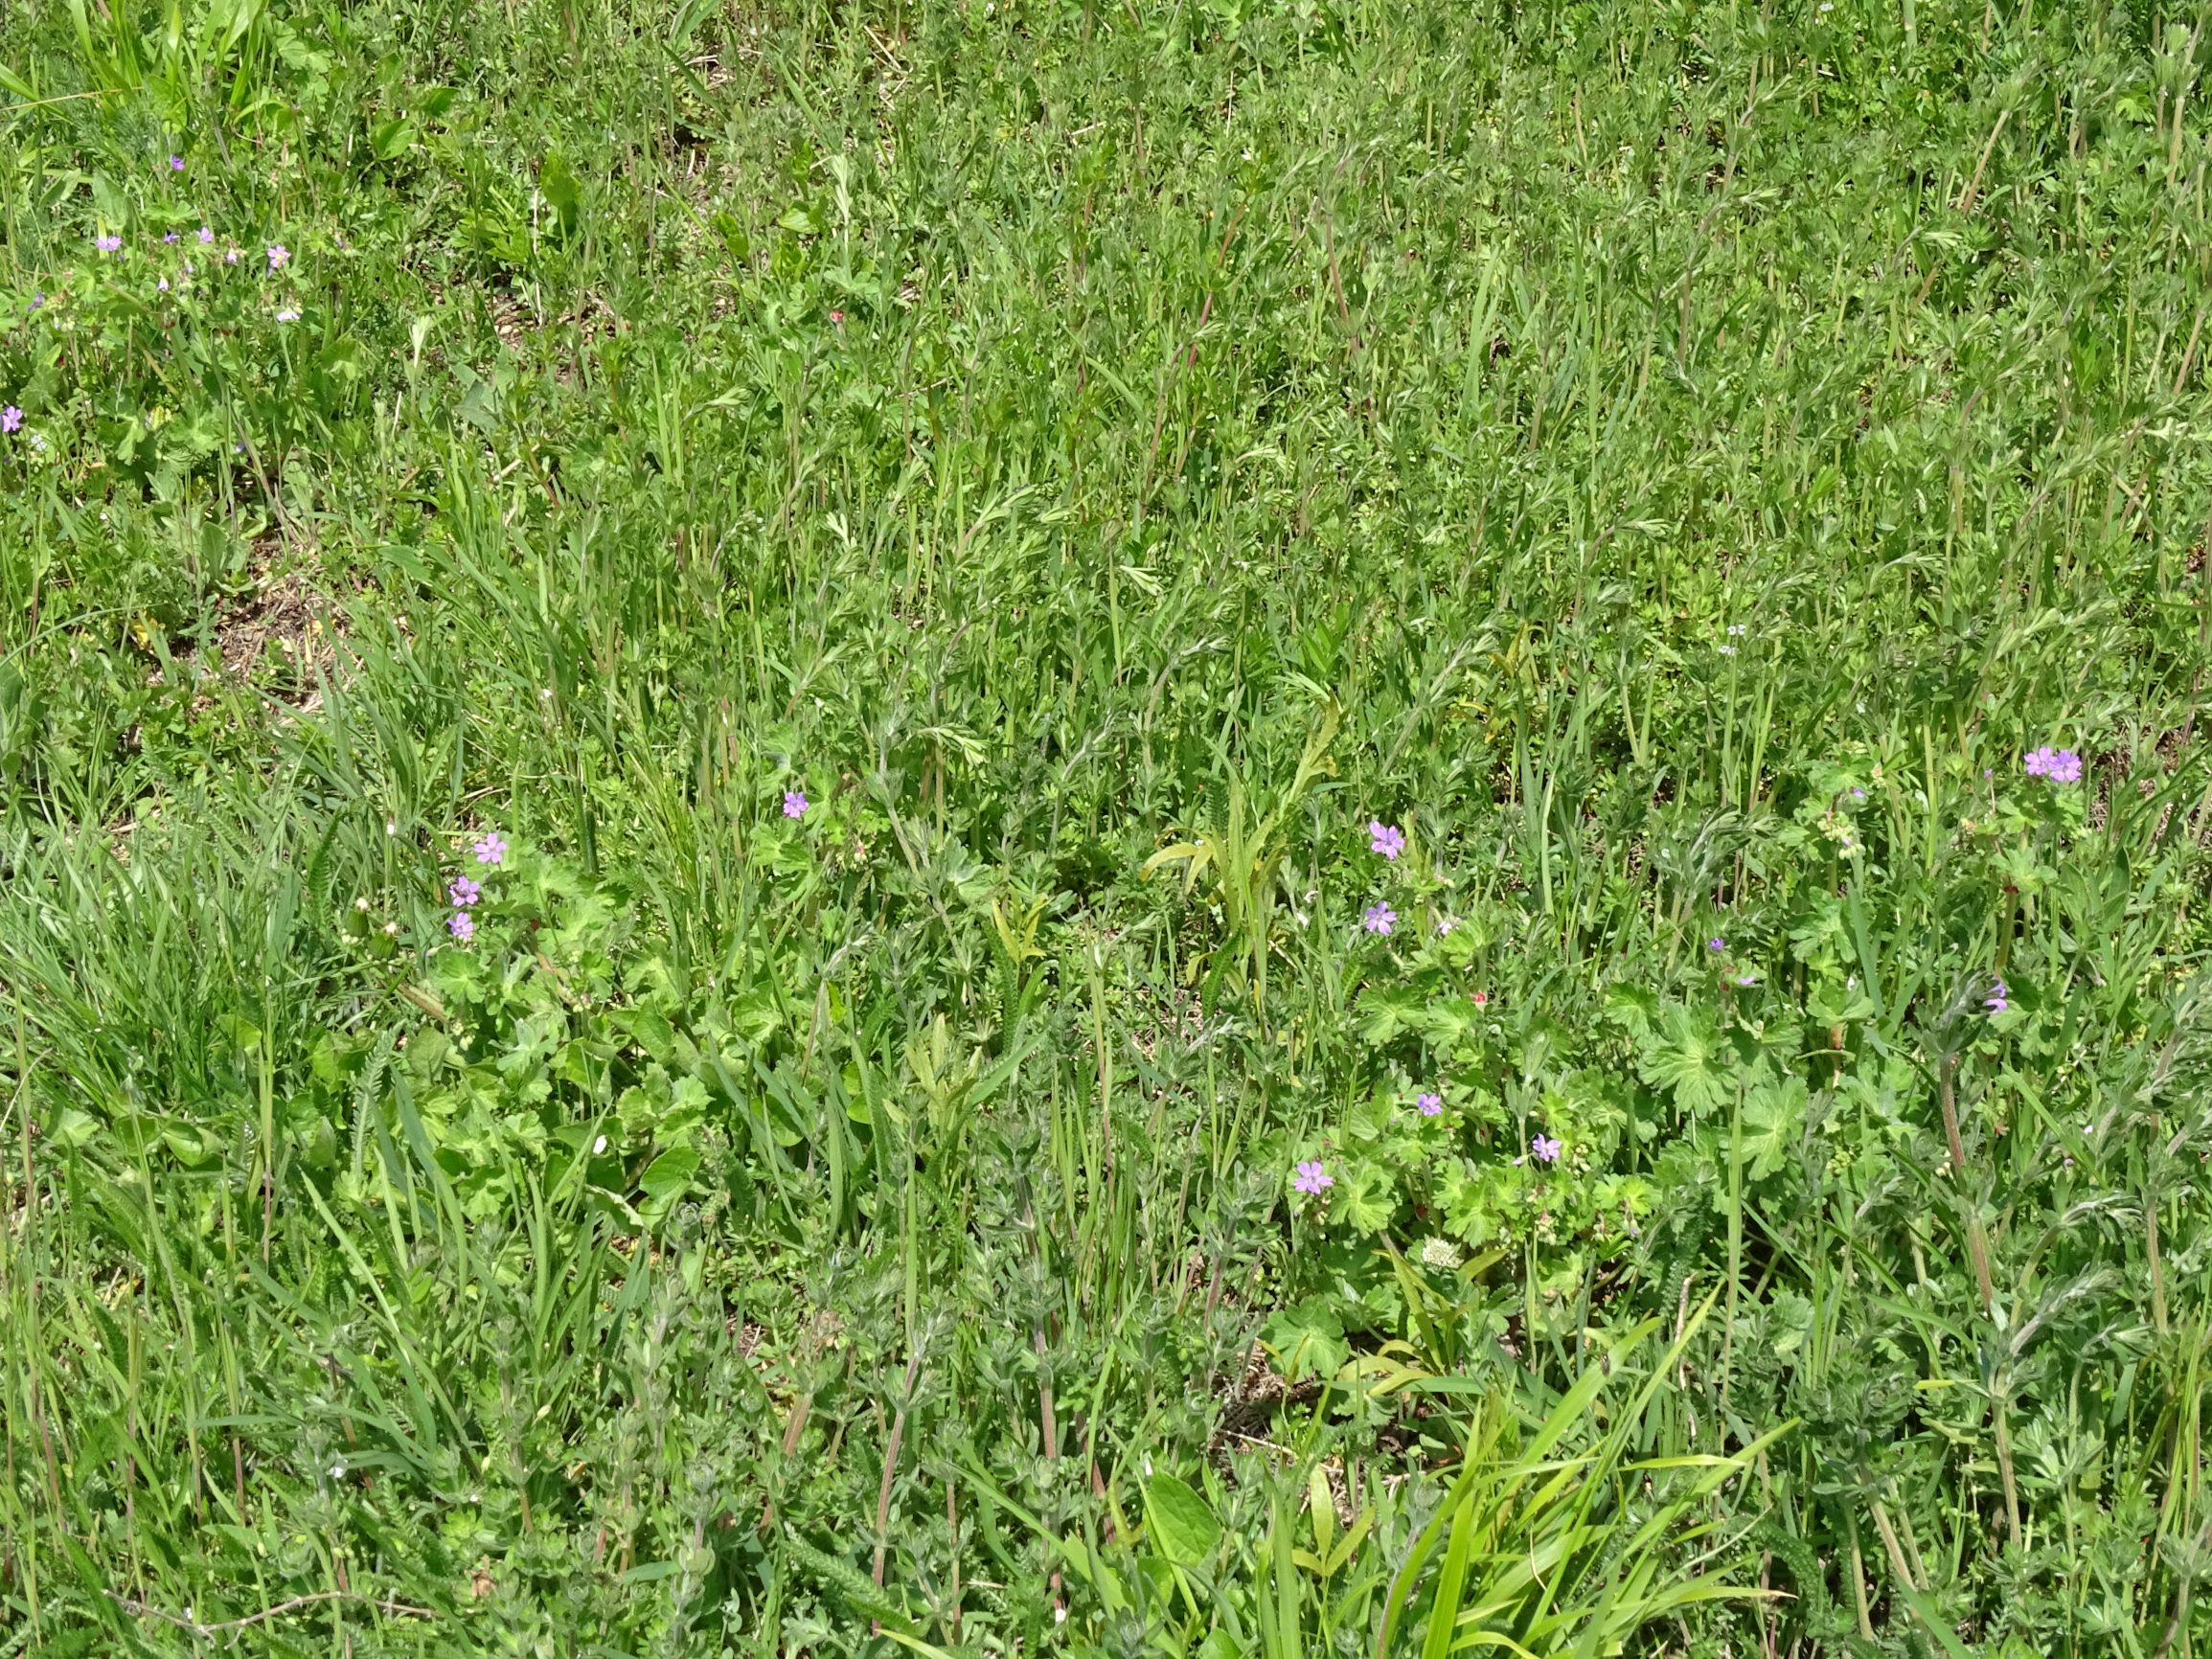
{"x":1031,"y":827}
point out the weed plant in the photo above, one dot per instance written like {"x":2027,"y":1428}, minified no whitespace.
{"x":1285,"y":826}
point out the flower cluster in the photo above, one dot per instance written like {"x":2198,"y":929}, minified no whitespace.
{"x":465,"y":890}
{"x":1998,"y":998}
{"x":2058,"y":765}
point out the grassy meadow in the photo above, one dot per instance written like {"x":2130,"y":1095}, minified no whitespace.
{"x":1106,"y":828}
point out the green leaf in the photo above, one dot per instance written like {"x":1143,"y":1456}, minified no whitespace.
{"x":670,"y":1173}
{"x":1182,"y":1522}
{"x":1386,"y":1011}
{"x":562,"y":193}
{"x":1688,"y":1055}
{"x":1365,"y":1200}
{"x":1773,"y":1119}
{"x":390,"y":138}
{"x":73,"y":1127}
{"x":1308,"y":1340}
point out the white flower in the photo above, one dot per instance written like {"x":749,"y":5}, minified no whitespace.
{"x":599,"y":1146}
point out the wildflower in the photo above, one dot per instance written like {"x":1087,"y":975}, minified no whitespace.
{"x":1386,"y":839}
{"x":1735,"y":631}
{"x":231,"y":257}
{"x":1312,"y":1179}
{"x":1440,"y":1254}
{"x":108,"y":244}
{"x":490,"y":848}
{"x":176,"y":164}
{"x":1428,"y":1104}
{"x":838,"y":318}
{"x":1747,"y":979}
{"x":168,"y":238}
{"x":287,"y":315}
{"x":1857,"y":793}
{"x":11,"y":418}
{"x":37,"y":299}
{"x":162,"y":286}
{"x":206,"y":235}
{"x":462,"y":925}
{"x":2058,"y":765}
{"x":1443,"y":926}
{"x":599,"y":1146}
{"x":1998,"y":999}
{"x":1480,"y":999}
{"x":1727,"y":651}
{"x":280,"y":256}
{"x":794,"y":803}
{"x":1380,"y":917}
{"x":464,"y":891}
{"x":1546,"y":1147}
{"x":1716,"y":942}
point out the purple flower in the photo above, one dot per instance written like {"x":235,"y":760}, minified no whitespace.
{"x":161,"y":287}
{"x":11,"y":418}
{"x":1998,"y":998}
{"x":108,"y":244}
{"x":465,"y":891}
{"x":2058,"y":765}
{"x":1386,"y":839}
{"x":1428,"y":1104}
{"x":168,"y":238}
{"x":37,"y":299}
{"x":490,"y":848}
{"x":1546,"y":1149}
{"x":231,"y":257}
{"x":460,"y":926}
{"x":1312,"y":1179}
{"x":794,"y":803}
{"x":176,"y":164}
{"x":1380,"y":917}
{"x":1444,"y":925}
{"x":1716,"y":942}
{"x":287,"y":315}
{"x":1857,"y":793}
{"x":280,"y":256}
{"x":206,"y":235}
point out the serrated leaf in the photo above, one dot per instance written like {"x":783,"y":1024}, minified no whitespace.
{"x":1688,"y":1055}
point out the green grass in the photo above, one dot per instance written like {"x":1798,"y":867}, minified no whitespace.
{"x":1672,"y":460}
